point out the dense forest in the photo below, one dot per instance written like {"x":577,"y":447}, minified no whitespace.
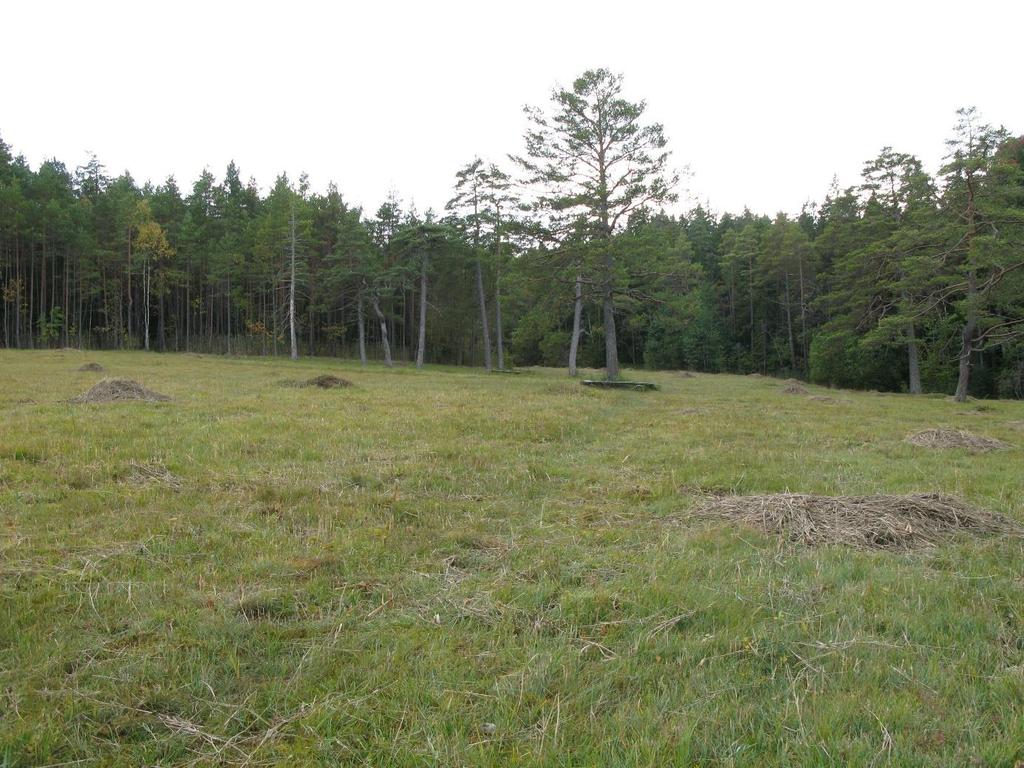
{"x":562,"y":254}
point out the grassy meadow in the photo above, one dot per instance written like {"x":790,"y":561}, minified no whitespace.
{"x":445,"y":567}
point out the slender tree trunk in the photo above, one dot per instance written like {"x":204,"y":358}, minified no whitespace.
{"x":361,"y":324}
{"x":383,"y":331}
{"x":611,"y":347}
{"x":913,"y":366}
{"x":577,"y":316}
{"x":145,"y":303}
{"x":967,"y":339}
{"x":422,"y":346}
{"x":497,"y":325}
{"x":789,"y":327}
{"x":483,"y":314}
{"x":291,"y":294}
{"x":130,"y":301}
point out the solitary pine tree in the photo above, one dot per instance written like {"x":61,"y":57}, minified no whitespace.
{"x":594,"y":162}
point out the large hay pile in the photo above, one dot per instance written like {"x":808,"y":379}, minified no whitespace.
{"x":118,"y":391}
{"x":91,"y":368}
{"x":794,"y":387}
{"x":865,"y":522}
{"x":955,"y":438}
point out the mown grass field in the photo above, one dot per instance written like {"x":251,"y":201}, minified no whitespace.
{"x":450,"y":568}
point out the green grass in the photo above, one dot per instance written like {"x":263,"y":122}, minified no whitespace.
{"x":267,"y":575}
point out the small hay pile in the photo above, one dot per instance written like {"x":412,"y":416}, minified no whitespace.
{"x":1015,"y":425}
{"x":794,"y":387}
{"x":91,"y":368}
{"x":864,"y":522}
{"x":323,"y":381}
{"x":687,"y":375}
{"x":119,"y":391}
{"x":955,"y":438}
{"x":326,"y":381}
{"x":822,"y":399}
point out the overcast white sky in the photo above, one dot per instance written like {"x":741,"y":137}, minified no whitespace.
{"x":765,"y":101}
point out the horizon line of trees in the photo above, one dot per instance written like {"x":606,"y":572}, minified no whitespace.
{"x":903,"y":282}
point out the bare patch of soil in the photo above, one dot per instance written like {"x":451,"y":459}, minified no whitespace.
{"x":864,"y":522}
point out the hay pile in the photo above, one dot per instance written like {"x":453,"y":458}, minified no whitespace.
{"x":822,"y":399}
{"x":323,"y":381}
{"x":794,"y":387}
{"x":865,"y":522}
{"x":91,"y":368}
{"x":955,"y":438}
{"x":118,"y":391}
{"x":687,"y":375}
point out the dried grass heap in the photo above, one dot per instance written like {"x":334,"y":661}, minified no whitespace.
{"x":119,"y":391}
{"x":91,"y":368}
{"x":794,"y":387}
{"x":865,"y":522}
{"x":323,"y":381}
{"x":955,"y":438}
{"x":327,"y":381}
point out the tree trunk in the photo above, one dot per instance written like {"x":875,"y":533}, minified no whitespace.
{"x":789,"y":327}
{"x":145,"y":304}
{"x":913,"y":366}
{"x":383,"y":331}
{"x":483,"y":314}
{"x":361,"y":324}
{"x":577,"y":316}
{"x":422,"y":345}
{"x":967,"y":339}
{"x":497,"y":328}
{"x":611,"y":347}
{"x":291,"y":295}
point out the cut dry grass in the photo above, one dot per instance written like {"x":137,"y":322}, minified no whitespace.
{"x":91,"y":368}
{"x":323,"y":381}
{"x":864,"y":522}
{"x":955,"y":438}
{"x":119,"y":391}
{"x":794,"y":387}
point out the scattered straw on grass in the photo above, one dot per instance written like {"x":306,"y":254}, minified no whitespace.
{"x":324,"y":381}
{"x":151,"y":472}
{"x":955,"y":438}
{"x":687,"y":375}
{"x":118,"y":391}
{"x":1019,"y":425}
{"x":794,"y":387}
{"x":864,"y":522}
{"x":822,"y":399}
{"x":91,"y":368}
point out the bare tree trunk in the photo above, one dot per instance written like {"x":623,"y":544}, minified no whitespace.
{"x":967,"y":337}
{"x":422,"y":346}
{"x":291,"y":294}
{"x":789,"y":327}
{"x":497,"y":329}
{"x":577,"y":316}
{"x":383,"y":331}
{"x":361,"y":324}
{"x":611,"y":346}
{"x":145,"y":303}
{"x":913,"y":366}
{"x":483,"y":314}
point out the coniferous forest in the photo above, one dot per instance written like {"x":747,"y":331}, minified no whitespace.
{"x":562,"y":253}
